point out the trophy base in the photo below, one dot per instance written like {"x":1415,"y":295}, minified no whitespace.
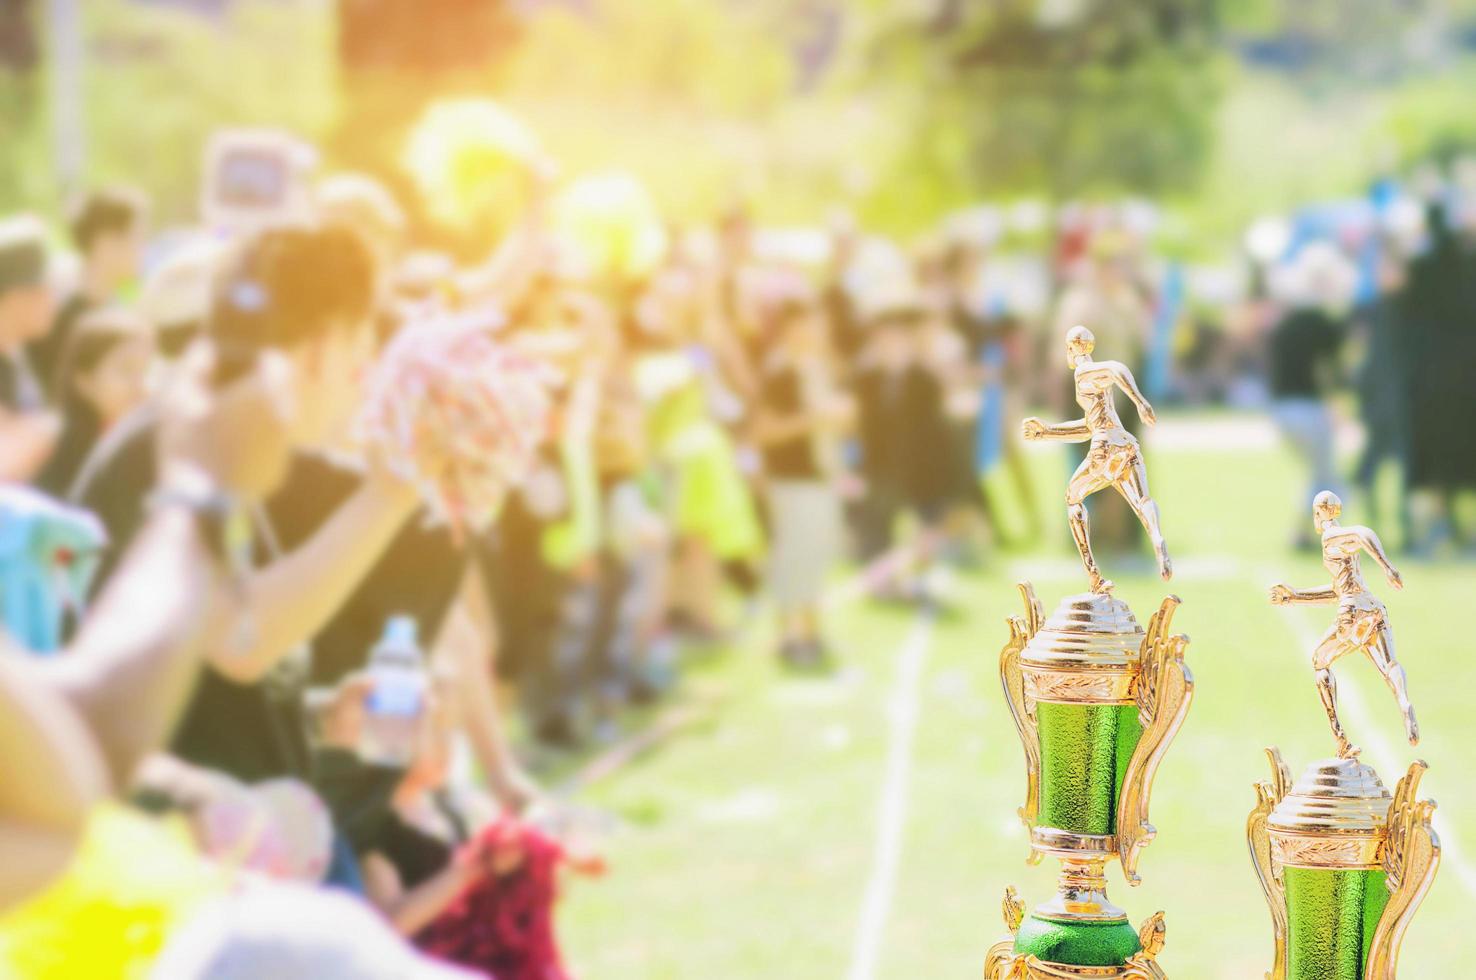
{"x":1077,"y":943}
{"x":1079,"y":933}
{"x":1045,"y":950}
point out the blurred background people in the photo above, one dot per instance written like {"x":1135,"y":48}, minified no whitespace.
{"x":798,"y":425}
{"x":1304,"y":349}
{"x":107,"y":229}
{"x":101,"y":379}
{"x":27,"y":431}
{"x":268,"y":628}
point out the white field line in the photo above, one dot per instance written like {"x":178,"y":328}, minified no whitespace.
{"x":1365,"y":732}
{"x":891,"y":816}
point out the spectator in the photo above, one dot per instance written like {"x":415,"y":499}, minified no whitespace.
{"x":175,"y":298}
{"x":799,"y":420}
{"x":297,"y":301}
{"x":102,"y":378}
{"x":107,"y":229}
{"x":882,"y":385}
{"x":1384,"y":382}
{"x":1304,"y":346}
{"x":27,"y":431}
{"x":1438,"y":305}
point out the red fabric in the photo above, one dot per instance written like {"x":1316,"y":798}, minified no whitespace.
{"x":503,"y":925}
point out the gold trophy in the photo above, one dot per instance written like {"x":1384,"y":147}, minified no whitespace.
{"x":1343,"y":863}
{"x":1096,"y":699}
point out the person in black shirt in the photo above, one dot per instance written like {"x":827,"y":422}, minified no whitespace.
{"x":296,"y":306}
{"x":879,"y":382}
{"x":1384,"y":382}
{"x":108,"y":230}
{"x":1304,"y":347}
{"x":102,"y":380}
{"x":27,"y":431}
{"x":798,"y":421}
{"x":1437,"y":310}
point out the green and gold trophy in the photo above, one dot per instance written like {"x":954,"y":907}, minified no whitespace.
{"x":1343,"y":863}
{"x":1096,"y":699}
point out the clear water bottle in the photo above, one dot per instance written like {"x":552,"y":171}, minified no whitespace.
{"x":397,"y":697}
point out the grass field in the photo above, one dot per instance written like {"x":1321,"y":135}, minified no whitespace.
{"x":749,"y":846}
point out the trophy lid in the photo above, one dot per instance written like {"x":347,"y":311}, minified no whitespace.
{"x":1333,"y":796}
{"x":1089,"y":631}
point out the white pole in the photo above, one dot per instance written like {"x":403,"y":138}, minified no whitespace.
{"x":68,"y":108}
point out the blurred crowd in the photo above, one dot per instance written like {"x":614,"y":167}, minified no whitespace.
{"x":246,"y":659}
{"x":1376,"y":301}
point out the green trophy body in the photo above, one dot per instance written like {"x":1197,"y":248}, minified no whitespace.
{"x":1331,"y":918}
{"x":1084,"y":753}
{"x":1343,"y":864}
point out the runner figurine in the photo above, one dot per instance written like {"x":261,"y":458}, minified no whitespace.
{"x":1362,"y":622}
{"x":1114,"y":459}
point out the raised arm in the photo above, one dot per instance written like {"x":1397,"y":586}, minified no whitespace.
{"x":1036,"y":430}
{"x":292,"y":598}
{"x":135,"y":659}
{"x":240,"y":437}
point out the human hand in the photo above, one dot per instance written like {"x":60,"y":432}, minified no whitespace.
{"x":1396,"y":580}
{"x":1033,"y":429}
{"x":341,"y":722}
{"x":432,"y":762}
{"x":1281,"y":595}
{"x":1146,"y":413}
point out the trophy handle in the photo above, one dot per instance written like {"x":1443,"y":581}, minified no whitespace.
{"x":1021,"y":710}
{"x":1164,"y":688}
{"x":1142,"y":965}
{"x":1411,"y":857}
{"x":1268,"y":794}
{"x":1002,"y":963}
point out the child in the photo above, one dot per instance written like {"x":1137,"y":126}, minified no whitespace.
{"x":799,"y":418}
{"x":103,"y":377}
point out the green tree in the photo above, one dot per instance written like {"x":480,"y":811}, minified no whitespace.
{"x":1063,"y":97}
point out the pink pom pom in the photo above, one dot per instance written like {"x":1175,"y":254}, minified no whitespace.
{"x":459,"y":414}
